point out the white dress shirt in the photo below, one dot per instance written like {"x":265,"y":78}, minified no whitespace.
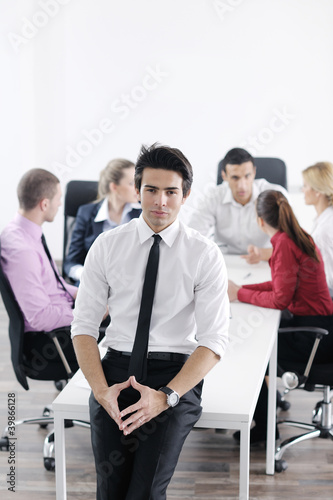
{"x":232,"y":226}
{"x":103,"y":214}
{"x":322,"y":234}
{"x":191,"y":306}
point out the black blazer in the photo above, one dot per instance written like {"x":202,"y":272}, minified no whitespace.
{"x":85,"y":232}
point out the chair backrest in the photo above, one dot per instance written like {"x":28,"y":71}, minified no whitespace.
{"x":16,"y":328}
{"x":273,"y":170}
{"x":77,"y":193}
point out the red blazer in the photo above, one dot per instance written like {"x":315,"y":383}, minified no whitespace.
{"x":298,"y":282}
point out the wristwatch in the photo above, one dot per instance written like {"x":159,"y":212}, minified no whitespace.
{"x":172,"y":396}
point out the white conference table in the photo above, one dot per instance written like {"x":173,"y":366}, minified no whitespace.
{"x":230,"y":390}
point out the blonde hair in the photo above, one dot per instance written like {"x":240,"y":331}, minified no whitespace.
{"x":113,"y":172}
{"x":320,"y":178}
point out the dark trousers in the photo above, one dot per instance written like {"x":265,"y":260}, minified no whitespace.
{"x":41,"y":357}
{"x":139,"y":466}
{"x":293,"y":353}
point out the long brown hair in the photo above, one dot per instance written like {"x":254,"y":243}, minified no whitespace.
{"x":274,"y":209}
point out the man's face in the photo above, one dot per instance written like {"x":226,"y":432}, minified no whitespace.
{"x":161,"y":197}
{"x":240,"y":179}
{"x":53,"y":205}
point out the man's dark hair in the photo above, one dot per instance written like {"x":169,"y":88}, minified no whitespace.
{"x":236,"y":156}
{"x":164,"y":157}
{"x":35,"y":185}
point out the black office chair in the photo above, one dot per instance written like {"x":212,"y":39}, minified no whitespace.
{"x":273,"y":170}
{"x":315,"y":377}
{"x":24,"y":369}
{"x":77,"y":193}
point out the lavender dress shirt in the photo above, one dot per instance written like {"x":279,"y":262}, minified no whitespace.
{"x":43,"y":302}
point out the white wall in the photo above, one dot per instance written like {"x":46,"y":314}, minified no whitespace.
{"x":201,"y":75}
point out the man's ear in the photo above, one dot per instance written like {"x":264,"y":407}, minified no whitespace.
{"x":224,"y":175}
{"x":43,"y":204}
{"x":138,"y":194}
{"x":255,"y":170}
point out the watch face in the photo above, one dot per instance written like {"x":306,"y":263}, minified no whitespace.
{"x":173,"y":399}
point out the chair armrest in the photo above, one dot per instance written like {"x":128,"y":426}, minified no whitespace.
{"x":53,"y":335}
{"x":308,"y":329}
{"x":295,"y":378}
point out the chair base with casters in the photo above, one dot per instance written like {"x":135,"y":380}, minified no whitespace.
{"x":48,"y":449}
{"x":317,"y":377}
{"x":47,"y":416}
{"x":321,"y":426}
{"x":43,"y":421}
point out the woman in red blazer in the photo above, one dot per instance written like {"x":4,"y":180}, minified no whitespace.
{"x":298,"y":288}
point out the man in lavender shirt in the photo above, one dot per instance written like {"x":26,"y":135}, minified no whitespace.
{"x":46,"y":301}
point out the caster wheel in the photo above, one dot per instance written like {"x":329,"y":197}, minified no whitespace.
{"x":46,"y":413}
{"x":59,"y":385}
{"x":284,"y":405}
{"x":49,"y":464}
{"x":4,"y":443}
{"x":280,"y":465}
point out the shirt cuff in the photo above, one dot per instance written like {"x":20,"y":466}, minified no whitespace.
{"x":75,"y":272}
{"x":244,"y":295}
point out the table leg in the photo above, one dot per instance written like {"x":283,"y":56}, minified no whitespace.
{"x":270,"y":446}
{"x":244,"y":469}
{"x":60,"y":458}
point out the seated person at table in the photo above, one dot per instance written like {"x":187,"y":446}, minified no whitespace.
{"x":117,"y":203}
{"x":298,"y":288}
{"x":318,"y":191}
{"x":228,"y":212}
{"x":45,"y":299}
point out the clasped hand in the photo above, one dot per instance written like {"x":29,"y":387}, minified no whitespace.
{"x":150,"y":404}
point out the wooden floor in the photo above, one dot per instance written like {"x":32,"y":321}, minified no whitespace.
{"x":208,"y":468}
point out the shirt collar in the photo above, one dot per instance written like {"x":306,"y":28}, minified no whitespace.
{"x":34,"y":230}
{"x":276,"y":237}
{"x":103,"y":212}
{"x":324,"y":215}
{"x":168,"y":235}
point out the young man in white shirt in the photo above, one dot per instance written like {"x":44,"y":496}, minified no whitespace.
{"x":227,"y":213}
{"x":138,"y":430}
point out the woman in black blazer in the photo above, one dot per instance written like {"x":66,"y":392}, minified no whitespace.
{"x":116,"y":204}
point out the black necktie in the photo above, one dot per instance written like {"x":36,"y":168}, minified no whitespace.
{"x":138,"y":362}
{"x":47,"y":251}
